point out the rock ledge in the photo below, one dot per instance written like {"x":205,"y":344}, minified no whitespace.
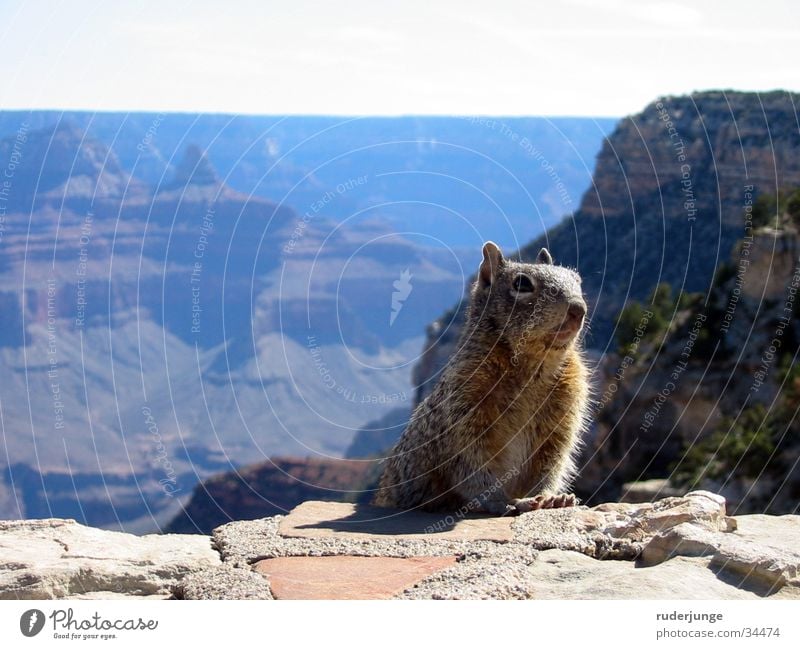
{"x":681,"y":547}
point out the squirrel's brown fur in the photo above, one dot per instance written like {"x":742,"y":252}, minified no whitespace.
{"x":499,"y":431}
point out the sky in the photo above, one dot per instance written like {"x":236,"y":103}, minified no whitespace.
{"x":387,"y":57}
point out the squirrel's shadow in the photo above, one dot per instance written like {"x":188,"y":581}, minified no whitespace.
{"x":368,"y":519}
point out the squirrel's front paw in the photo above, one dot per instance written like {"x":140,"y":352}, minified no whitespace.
{"x":544,"y":501}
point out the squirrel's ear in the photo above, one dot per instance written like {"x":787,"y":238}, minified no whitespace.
{"x":492,"y":261}
{"x":544,"y":257}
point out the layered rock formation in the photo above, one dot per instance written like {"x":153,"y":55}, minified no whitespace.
{"x":666,"y":204}
{"x":135,"y":319}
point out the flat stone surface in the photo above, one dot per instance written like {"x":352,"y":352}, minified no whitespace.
{"x":564,"y":574}
{"x":317,"y":519}
{"x":773,"y":531}
{"x":761,"y":553}
{"x":609,"y":531}
{"x":58,"y":558}
{"x":677,"y":548}
{"x":347,"y":577}
{"x":242,"y":543}
{"x":554,"y":553}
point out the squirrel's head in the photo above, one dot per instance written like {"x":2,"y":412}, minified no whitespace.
{"x":528,"y":305}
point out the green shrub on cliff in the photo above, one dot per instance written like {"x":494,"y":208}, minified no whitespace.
{"x":776,"y":210}
{"x":648,"y":322}
{"x":760,"y":444}
{"x":740,"y":447}
{"x":793,"y":207}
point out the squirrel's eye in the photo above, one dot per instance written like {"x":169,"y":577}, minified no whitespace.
{"x":523,"y":284}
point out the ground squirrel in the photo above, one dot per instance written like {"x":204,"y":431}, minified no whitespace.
{"x":500,"y":429}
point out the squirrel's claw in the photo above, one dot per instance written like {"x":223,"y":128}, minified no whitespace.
{"x":544,"y":501}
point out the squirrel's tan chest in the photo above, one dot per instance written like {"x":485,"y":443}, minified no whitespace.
{"x":515,"y":453}
{"x":512,"y":440}
{"x":515,"y":439}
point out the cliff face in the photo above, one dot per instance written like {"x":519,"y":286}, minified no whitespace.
{"x":666,"y":204}
{"x":711,"y":400}
{"x":707,"y":396}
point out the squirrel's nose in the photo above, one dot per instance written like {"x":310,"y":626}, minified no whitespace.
{"x":576,"y":311}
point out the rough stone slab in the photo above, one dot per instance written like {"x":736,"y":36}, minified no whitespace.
{"x":346,"y":577}
{"x":223,"y":582}
{"x":57,"y":558}
{"x":317,"y":519}
{"x":619,"y":530}
{"x":681,"y":541}
{"x":701,"y":508}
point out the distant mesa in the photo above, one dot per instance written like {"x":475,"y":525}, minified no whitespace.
{"x":61,"y":163}
{"x":194,"y":169}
